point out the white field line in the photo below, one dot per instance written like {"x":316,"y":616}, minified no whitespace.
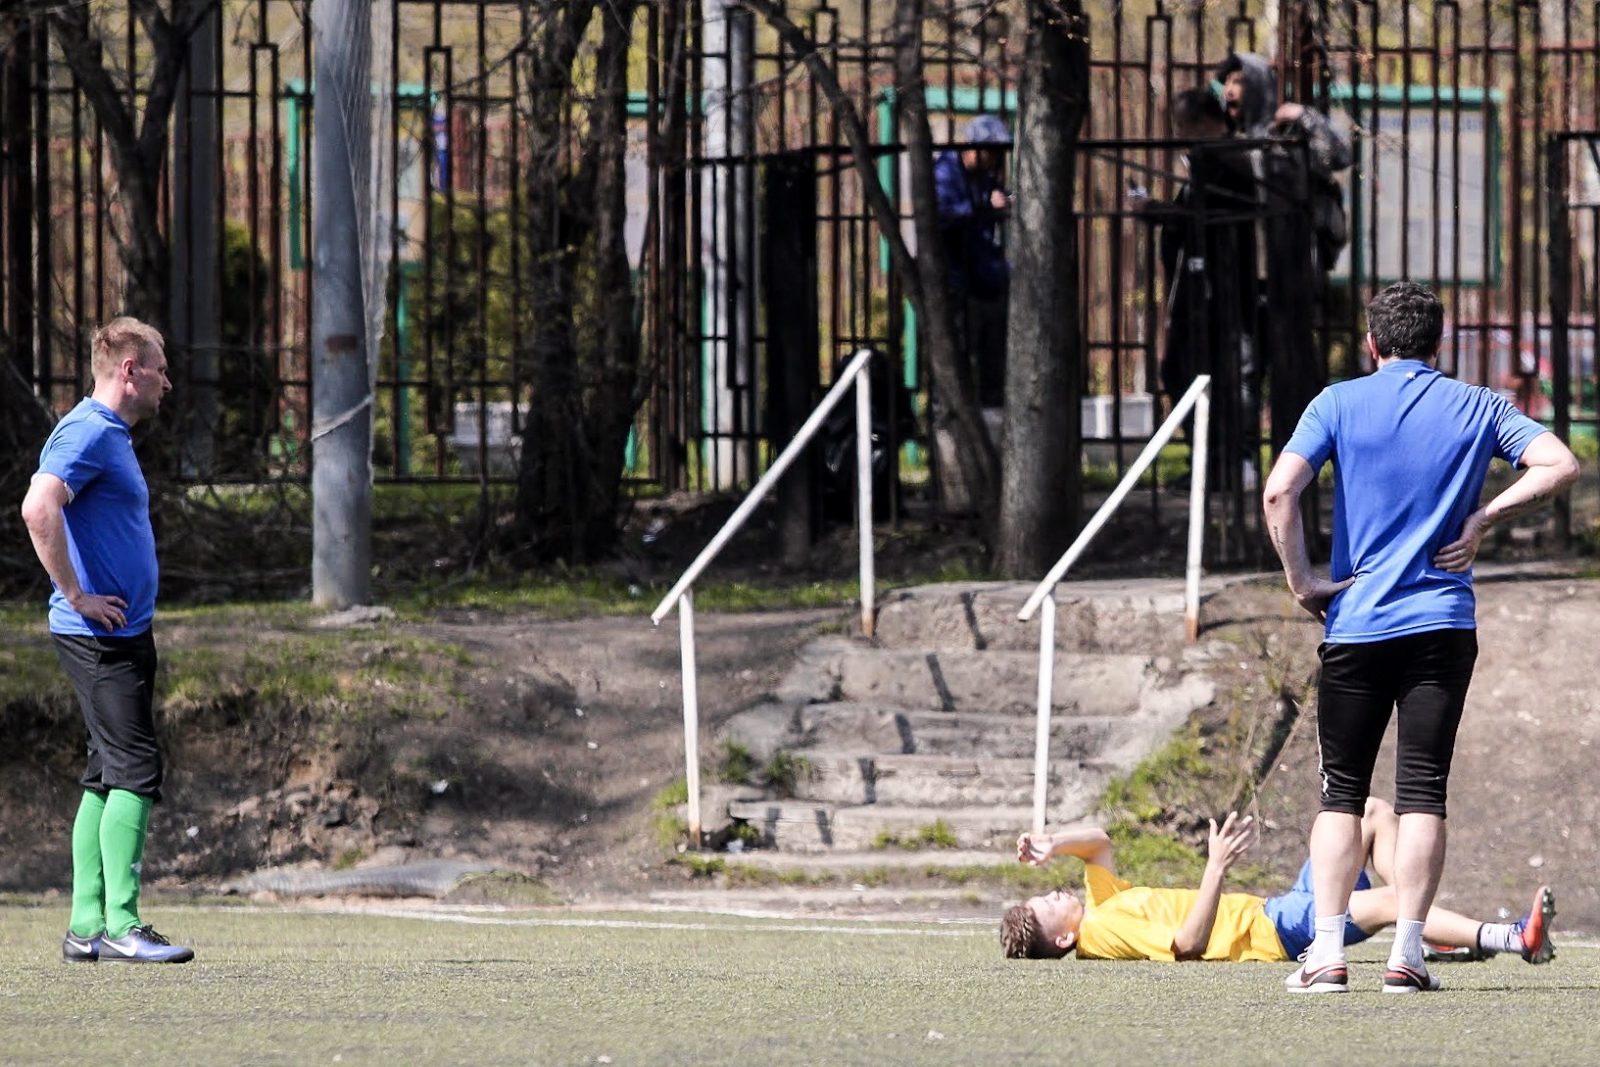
{"x":656,"y":924}
{"x":494,"y":915}
{"x":942,"y":928}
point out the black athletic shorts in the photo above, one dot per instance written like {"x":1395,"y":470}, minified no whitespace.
{"x":115,"y":679}
{"x":1426,"y":676}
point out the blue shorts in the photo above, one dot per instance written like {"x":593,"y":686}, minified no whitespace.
{"x":1295,"y":915}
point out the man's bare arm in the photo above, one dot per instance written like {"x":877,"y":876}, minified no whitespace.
{"x":43,"y":511}
{"x":1548,"y":468}
{"x":1232,"y":840}
{"x":1089,"y":843}
{"x":1280,"y":503}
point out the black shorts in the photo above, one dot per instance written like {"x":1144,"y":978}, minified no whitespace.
{"x":115,"y":679}
{"x":1426,"y":676}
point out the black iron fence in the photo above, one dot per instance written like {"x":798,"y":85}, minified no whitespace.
{"x":1449,"y":110}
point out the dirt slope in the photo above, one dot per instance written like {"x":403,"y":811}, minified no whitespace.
{"x":566,"y":796}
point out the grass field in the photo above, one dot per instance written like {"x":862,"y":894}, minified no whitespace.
{"x":394,"y":986}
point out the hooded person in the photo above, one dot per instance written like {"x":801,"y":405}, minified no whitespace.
{"x":972,"y":203}
{"x":1303,"y":230}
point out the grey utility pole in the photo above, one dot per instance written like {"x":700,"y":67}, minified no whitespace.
{"x":341,"y":389}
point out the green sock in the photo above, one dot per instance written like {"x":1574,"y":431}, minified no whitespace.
{"x":122,"y":832}
{"x":88,"y":879}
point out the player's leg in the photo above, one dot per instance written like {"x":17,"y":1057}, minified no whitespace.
{"x":79,"y":658}
{"x":1379,"y":828}
{"x":1355,"y":699}
{"x":131,"y":773}
{"x":1373,"y":909}
{"x":1434,"y":692}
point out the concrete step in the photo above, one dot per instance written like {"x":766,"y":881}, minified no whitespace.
{"x":989,"y":828}
{"x":947,"y":781}
{"x":887,"y":730}
{"x":807,"y":827}
{"x":1078,"y":737}
{"x":1136,"y":615}
{"x":790,"y":825}
{"x":1087,"y":683}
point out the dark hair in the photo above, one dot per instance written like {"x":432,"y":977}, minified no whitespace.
{"x":1406,"y":322}
{"x":1197,"y":105}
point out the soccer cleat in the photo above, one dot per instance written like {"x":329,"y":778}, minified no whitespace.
{"x":1329,"y":978}
{"x":1402,"y":979}
{"x":1432,"y":953}
{"x":1534,"y":927}
{"x":143,"y":945}
{"x":75,"y":949}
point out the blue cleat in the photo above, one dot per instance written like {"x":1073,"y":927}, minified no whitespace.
{"x":75,"y":949}
{"x":143,"y":945}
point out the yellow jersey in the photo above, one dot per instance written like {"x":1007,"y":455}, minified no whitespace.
{"x":1126,"y":922}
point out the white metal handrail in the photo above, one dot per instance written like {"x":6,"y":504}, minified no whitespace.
{"x":682,"y":593}
{"x":1198,"y":397}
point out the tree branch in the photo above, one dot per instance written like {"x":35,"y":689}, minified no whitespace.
{"x":855,"y":130}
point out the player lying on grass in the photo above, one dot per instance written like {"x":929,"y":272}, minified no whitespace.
{"x":1118,"y":921}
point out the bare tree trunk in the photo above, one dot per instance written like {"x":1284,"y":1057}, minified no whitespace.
{"x":585,"y":353}
{"x":617,"y":388}
{"x":24,"y":424}
{"x":955,"y":391}
{"x":547,"y":489}
{"x":924,"y":276}
{"x":138,"y":143}
{"x":1043,"y":473}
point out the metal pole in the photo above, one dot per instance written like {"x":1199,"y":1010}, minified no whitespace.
{"x":1197,"y":517}
{"x":691,"y":713}
{"x":785,"y":458}
{"x":341,"y":415}
{"x":1041,"y":739}
{"x":864,"y":498}
{"x":1141,"y":463}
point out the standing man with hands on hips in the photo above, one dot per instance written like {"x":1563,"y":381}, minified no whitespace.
{"x":1410,"y":450}
{"x":88,"y":514}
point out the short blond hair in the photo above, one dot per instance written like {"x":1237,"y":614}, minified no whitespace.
{"x":120,"y":338}
{"x":1021,"y":937}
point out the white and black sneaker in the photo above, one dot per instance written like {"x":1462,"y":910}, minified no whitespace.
{"x":1403,"y":978}
{"x":142,"y":945}
{"x":1329,"y":978}
{"x":75,"y":949}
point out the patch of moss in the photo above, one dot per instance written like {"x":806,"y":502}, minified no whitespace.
{"x":936,"y":834}
{"x":671,"y":795}
{"x":1165,"y":779}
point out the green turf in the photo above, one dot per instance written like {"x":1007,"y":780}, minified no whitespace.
{"x":559,"y":987}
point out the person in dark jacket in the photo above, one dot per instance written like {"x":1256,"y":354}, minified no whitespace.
{"x":973,"y":202}
{"x":1303,"y":229}
{"x":1207,"y":248}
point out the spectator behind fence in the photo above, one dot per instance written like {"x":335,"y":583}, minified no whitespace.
{"x":972,"y":202}
{"x":1303,"y":230}
{"x":1207,"y":250}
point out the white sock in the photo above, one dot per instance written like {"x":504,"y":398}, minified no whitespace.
{"x":1407,"y":944}
{"x":1328,"y":946}
{"x":1500,"y":937}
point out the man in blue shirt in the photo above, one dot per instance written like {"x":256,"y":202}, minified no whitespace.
{"x":88,"y":514}
{"x":1410,"y":449}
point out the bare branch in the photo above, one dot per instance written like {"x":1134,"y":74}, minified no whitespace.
{"x":883,"y":211}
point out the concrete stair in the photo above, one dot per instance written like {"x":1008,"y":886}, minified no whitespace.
{"x":923,"y":738}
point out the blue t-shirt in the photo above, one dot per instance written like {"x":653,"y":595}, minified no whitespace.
{"x":109,"y":537}
{"x":1410,"y":449}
